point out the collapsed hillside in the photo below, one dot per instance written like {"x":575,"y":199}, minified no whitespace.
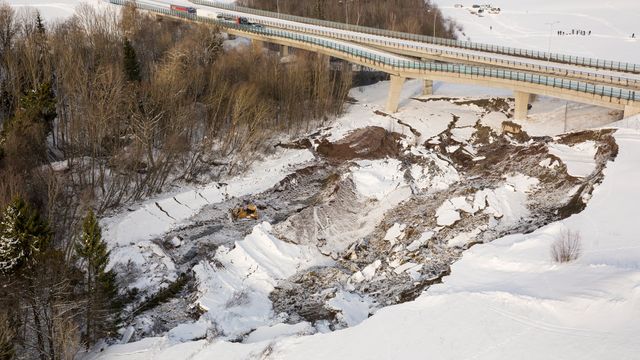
{"x":370,"y":216}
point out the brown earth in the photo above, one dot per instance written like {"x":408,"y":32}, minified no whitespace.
{"x":372,"y":142}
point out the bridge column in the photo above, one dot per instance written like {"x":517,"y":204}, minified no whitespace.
{"x":395,"y":87}
{"x":257,"y":44}
{"x":522,"y":105}
{"x":284,"y":50}
{"x":631,"y":110}
{"x":427,"y":88}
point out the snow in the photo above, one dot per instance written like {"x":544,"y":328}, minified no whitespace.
{"x":130,"y":234}
{"x":424,"y":237}
{"x":507,"y":299}
{"x":186,"y":332}
{"x":524,"y":24}
{"x":277,"y":331}
{"x":235,"y":286}
{"x":504,"y":299}
{"x":52,"y":11}
{"x":377,"y":178}
{"x":396,"y":232}
{"x":162,"y":215}
{"x":353,"y":308}
{"x":579,"y":158}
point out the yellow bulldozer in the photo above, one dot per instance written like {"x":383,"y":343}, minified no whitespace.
{"x":250,"y":211}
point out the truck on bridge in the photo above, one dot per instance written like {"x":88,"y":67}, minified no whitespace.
{"x":184,"y":9}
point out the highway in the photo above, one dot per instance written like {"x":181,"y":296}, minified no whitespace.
{"x":410,"y":59}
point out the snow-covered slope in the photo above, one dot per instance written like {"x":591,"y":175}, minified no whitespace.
{"x":504,"y":300}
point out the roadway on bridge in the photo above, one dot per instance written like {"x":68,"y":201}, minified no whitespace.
{"x":522,"y":82}
{"x":443,"y":53}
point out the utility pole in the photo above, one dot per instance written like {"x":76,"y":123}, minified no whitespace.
{"x":278,"y":7}
{"x":435,"y":16}
{"x":550,"y":34}
{"x":346,"y":11}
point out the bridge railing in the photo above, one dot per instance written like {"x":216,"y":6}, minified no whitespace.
{"x":505,"y":50}
{"x":398,"y":64}
{"x":618,"y":80}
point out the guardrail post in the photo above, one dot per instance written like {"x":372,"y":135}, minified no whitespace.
{"x":395,"y":87}
{"x":522,"y":104}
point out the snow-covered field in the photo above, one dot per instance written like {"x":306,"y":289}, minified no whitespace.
{"x":531,"y":24}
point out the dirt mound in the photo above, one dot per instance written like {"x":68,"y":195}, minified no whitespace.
{"x":372,"y":142}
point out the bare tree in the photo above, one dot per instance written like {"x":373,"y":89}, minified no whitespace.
{"x":567,"y":247}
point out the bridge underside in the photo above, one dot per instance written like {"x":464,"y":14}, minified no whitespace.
{"x":522,"y":91}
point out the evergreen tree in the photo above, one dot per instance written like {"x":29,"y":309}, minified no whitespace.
{"x":7,"y":338}
{"x":39,"y":24}
{"x":100,"y":284}
{"x":22,"y":235}
{"x":131,"y":67}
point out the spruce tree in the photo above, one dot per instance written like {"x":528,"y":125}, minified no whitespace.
{"x":22,"y":235}
{"x":131,"y":67}
{"x":100,"y":284}
{"x":39,"y":24}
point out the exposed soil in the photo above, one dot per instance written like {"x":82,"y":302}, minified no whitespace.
{"x":367,"y":143}
{"x":319,"y":205}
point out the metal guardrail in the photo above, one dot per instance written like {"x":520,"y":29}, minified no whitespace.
{"x":616,"y":80}
{"x":505,"y":50}
{"x":407,"y":65}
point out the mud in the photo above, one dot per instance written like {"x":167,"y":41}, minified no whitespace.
{"x":367,"y":143}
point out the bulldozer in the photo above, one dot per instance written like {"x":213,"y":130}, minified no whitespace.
{"x":250,"y":211}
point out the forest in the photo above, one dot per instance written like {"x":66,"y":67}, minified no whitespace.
{"x":412,"y":16}
{"x":108,"y":108}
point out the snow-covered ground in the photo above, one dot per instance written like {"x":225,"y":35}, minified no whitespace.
{"x":503,"y":299}
{"x":531,"y":24}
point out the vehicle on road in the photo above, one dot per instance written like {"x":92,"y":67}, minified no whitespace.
{"x":242,"y":21}
{"x":184,"y":9}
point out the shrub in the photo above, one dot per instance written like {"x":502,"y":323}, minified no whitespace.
{"x":567,"y":247}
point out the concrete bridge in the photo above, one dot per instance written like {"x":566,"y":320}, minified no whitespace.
{"x":598,"y":82}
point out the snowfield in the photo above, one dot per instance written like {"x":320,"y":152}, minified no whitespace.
{"x":528,"y":24}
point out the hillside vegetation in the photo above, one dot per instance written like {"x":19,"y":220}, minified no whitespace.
{"x":105,"y":109}
{"x":413,"y":16}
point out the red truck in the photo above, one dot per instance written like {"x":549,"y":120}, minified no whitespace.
{"x":184,"y":9}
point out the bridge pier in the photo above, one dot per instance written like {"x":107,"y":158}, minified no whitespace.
{"x":257,"y":44}
{"x":630,"y":111}
{"x":395,"y":87}
{"x":522,"y":104}
{"x":284,"y":50}
{"x":427,"y":88}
